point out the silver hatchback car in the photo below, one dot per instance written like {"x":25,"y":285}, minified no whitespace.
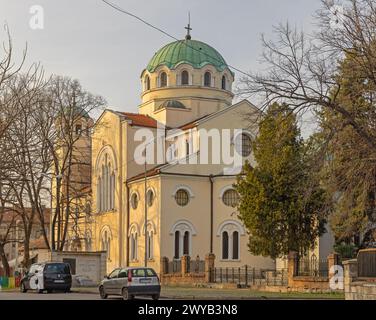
{"x":131,"y":282}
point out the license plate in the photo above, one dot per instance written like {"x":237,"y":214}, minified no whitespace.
{"x":145,"y":280}
{"x":59,"y":281}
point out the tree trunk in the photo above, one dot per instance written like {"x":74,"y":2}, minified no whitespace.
{"x":4,"y":261}
{"x":26,"y":260}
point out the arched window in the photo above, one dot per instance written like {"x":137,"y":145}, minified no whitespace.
{"x":106,"y":242}
{"x":207,"y":79}
{"x":235,"y":245}
{"x":163,"y":79}
{"x":177,"y":245}
{"x":106,"y":187}
{"x":185,"y":78}
{"x":88,"y":241}
{"x":230,"y":232}
{"x":225,"y":248}
{"x":147,"y":83}
{"x":186,"y":243}
{"x":224,"y":83}
{"x":150,"y":198}
{"x":99,"y":194}
{"x":133,"y":239}
{"x":150,"y":244}
{"x":182,"y":231}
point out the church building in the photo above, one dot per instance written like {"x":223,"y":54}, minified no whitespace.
{"x":181,"y":203}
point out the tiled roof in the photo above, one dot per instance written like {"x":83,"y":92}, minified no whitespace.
{"x":10,"y":213}
{"x":192,"y":124}
{"x":140,"y":120}
{"x":150,"y":173}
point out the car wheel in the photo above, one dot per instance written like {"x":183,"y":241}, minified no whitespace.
{"x":23,"y":288}
{"x":125,"y":294}
{"x":155,"y":296}
{"x":40,"y":291}
{"x":67,"y":290}
{"x":49,"y":291}
{"x":102,"y":293}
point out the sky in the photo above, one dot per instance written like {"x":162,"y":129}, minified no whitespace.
{"x":107,"y":50}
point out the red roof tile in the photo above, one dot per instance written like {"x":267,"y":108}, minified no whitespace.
{"x":140,"y":120}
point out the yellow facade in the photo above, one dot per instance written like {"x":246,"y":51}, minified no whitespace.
{"x":191,"y":211}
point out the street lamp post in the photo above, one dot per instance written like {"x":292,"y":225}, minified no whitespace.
{"x":146,"y":217}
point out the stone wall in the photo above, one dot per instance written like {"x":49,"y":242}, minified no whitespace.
{"x":91,"y":265}
{"x":357,"y":288}
{"x":185,"y":278}
{"x":308,"y":283}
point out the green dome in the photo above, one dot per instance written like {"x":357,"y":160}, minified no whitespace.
{"x":195,"y":53}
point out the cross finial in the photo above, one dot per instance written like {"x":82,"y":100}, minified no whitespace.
{"x":188,"y":28}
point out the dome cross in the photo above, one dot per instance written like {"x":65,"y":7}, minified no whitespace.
{"x":188,"y":28}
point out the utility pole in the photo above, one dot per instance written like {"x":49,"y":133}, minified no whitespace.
{"x":146,"y":217}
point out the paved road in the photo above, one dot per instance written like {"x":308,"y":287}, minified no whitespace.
{"x":52,"y":296}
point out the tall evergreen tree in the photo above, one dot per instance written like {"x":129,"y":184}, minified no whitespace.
{"x":350,"y":167}
{"x":282,"y":204}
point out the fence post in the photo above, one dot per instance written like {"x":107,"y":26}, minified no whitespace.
{"x":184,"y":265}
{"x":209,"y":267}
{"x":333,"y":260}
{"x":164,"y":265}
{"x":246,"y":276}
{"x":254,"y":276}
{"x":239,"y":280}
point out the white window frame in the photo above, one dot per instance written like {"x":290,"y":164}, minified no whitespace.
{"x":182,"y":226}
{"x":230,"y":226}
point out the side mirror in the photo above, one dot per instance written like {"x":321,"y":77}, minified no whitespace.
{"x":106,"y":277}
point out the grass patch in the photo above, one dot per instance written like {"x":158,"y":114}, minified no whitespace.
{"x":206,"y":293}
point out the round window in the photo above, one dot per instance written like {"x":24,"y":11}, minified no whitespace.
{"x":231,"y":198}
{"x":243,"y":145}
{"x":182,"y":197}
{"x":134,"y":201}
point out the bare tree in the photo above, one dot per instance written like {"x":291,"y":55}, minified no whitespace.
{"x":70,"y":150}
{"x":8,"y":227}
{"x":301,"y":69}
{"x":8,"y":69}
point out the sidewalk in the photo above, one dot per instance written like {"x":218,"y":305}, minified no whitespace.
{"x":184,"y":293}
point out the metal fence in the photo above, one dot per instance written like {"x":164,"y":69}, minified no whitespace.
{"x":192,"y":266}
{"x":196,"y":266}
{"x":247,"y":276}
{"x":312,"y":267}
{"x":174,"y":266}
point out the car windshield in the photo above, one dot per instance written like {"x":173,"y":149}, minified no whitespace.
{"x":57,"y":268}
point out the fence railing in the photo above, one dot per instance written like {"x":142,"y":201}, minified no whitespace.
{"x":247,"y":276}
{"x":174,"y":266}
{"x":312,"y":267}
{"x":192,"y":266}
{"x":196,"y":266}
